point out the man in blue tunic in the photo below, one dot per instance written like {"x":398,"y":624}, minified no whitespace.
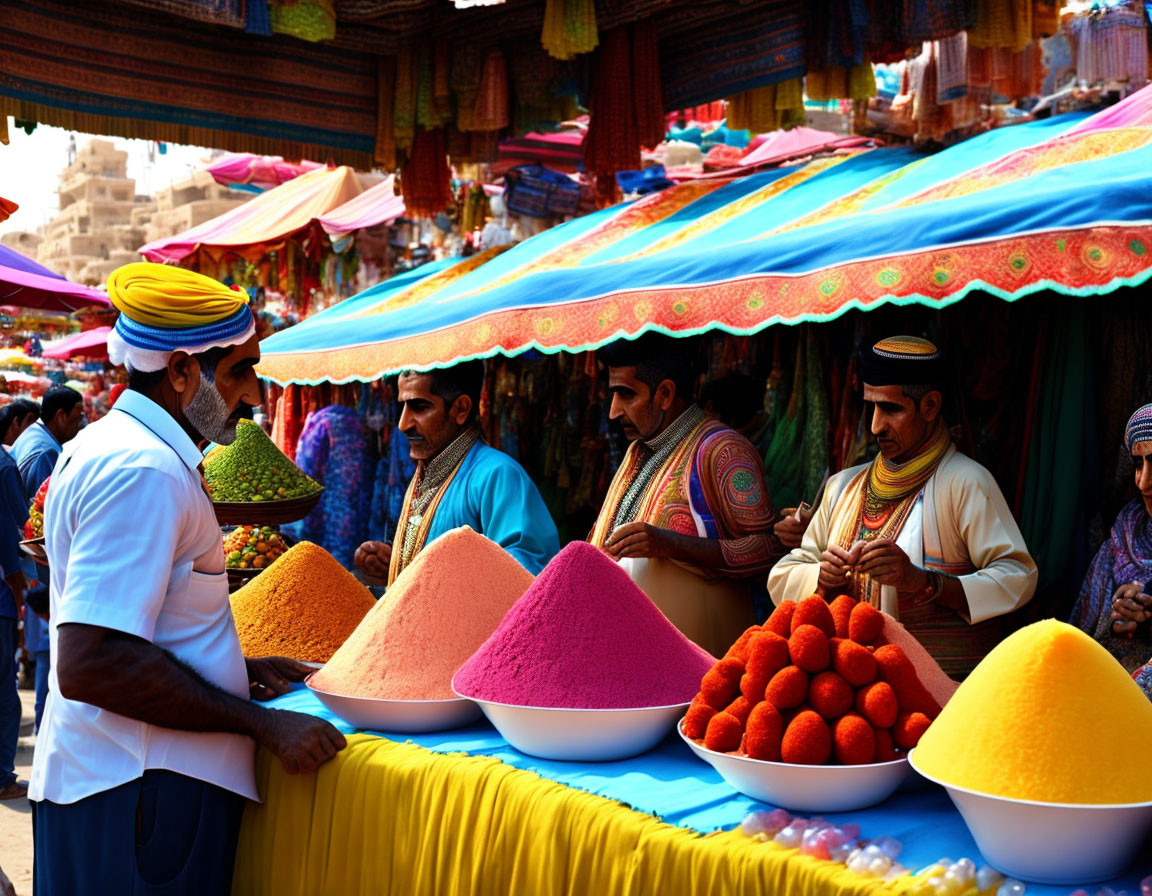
{"x":459,"y":481}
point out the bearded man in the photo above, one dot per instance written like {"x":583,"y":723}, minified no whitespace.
{"x":459,"y":480}
{"x":688,"y":513}
{"x":922,"y":532}
{"x":145,"y":755}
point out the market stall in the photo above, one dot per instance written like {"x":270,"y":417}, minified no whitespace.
{"x":89,"y":344}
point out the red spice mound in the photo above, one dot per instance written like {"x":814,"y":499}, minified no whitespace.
{"x":435,"y":615}
{"x":767,"y":655}
{"x":813,"y":611}
{"x":830,"y":695}
{"x":909,"y":728}
{"x":781,"y":619}
{"x":885,"y":748}
{"x":764,"y":732}
{"x":304,"y":606}
{"x":807,"y":740}
{"x":739,"y":708}
{"x":865,"y":624}
{"x":739,"y":650}
{"x":583,"y":636}
{"x":853,"y":740}
{"x":697,"y":718}
{"x":841,"y":610}
{"x":721,"y":683}
{"x":877,"y":703}
{"x":898,"y":671}
{"x":723,"y":733}
{"x":808,"y":647}
{"x":854,"y":662}
{"x":788,"y":688}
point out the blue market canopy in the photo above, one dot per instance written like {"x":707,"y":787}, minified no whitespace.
{"x":1063,"y":204}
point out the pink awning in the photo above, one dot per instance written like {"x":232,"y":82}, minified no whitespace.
{"x":28,"y":289}
{"x":378,"y":205}
{"x":89,"y":344}
{"x":245,"y":169}
{"x":264,"y":220}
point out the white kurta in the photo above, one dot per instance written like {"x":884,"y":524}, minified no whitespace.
{"x":960,"y":522}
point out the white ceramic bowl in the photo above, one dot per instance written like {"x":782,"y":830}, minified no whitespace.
{"x":1051,"y":843}
{"x":403,"y":716}
{"x":806,"y":788}
{"x":581,"y":735}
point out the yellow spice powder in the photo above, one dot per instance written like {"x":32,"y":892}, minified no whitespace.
{"x":304,"y":606}
{"x":1042,"y":718}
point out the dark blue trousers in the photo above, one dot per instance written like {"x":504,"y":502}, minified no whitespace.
{"x":9,"y":702}
{"x":161,"y":835}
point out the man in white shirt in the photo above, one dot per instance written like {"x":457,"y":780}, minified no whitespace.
{"x":145,"y":754}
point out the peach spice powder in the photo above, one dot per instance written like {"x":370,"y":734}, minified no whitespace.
{"x":435,"y":615}
{"x":585,"y":637}
{"x":302,"y":606}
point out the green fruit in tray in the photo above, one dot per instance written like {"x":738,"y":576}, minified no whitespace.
{"x":253,"y":469}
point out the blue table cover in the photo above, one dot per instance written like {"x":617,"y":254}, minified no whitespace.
{"x":670,"y":783}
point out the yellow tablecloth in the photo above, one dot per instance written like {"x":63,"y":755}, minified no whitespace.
{"x":395,"y":818}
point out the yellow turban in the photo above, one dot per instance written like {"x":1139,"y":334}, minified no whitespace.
{"x":164,"y":309}
{"x":160,"y":295}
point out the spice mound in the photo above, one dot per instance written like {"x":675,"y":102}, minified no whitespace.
{"x":437,"y":612}
{"x":1042,"y":718}
{"x":584,"y":637}
{"x":252,"y":468}
{"x":303,"y":606}
{"x":819,"y":684}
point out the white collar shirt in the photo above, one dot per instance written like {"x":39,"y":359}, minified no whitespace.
{"x":134,"y":546}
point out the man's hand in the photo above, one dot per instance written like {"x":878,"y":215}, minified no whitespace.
{"x":271,"y":676}
{"x":790,"y":529}
{"x":887,"y":564}
{"x":1130,"y":607}
{"x":302,"y":742}
{"x":835,"y":567}
{"x":19,"y":585}
{"x":640,"y":540}
{"x":372,"y":559}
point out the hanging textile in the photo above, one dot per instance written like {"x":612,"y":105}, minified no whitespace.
{"x":404,"y":107}
{"x":649,"y":95}
{"x":613,"y":141}
{"x":1002,"y":23}
{"x":464,"y":79}
{"x":1111,"y":45}
{"x":569,"y":28}
{"x":926,"y":20}
{"x":310,"y":20}
{"x":764,"y":109}
{"x":1059,"y":460}
{"x":384,"y":155}
{"x":491,"y":110}
{"x":426,"y":180}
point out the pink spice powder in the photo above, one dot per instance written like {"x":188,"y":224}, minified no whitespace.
{"x":934,"y":679}
{"x":435,"y":615}
{"x":585,"y":637}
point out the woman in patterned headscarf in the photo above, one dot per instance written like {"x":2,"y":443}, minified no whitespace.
{"x":1113,"y":606}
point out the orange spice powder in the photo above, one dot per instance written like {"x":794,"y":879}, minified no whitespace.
{"x":303,"y":606}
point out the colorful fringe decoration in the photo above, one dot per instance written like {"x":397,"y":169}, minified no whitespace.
{"x":569,"y":28}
